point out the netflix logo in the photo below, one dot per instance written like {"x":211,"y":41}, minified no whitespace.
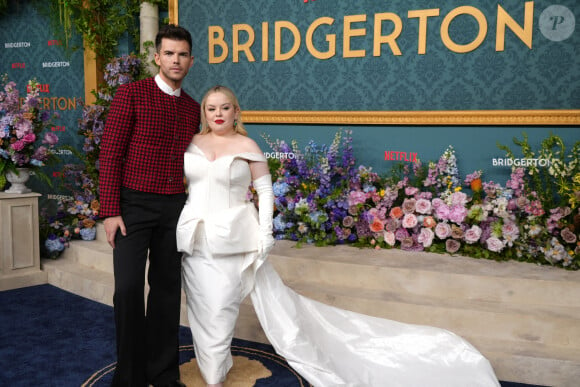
{"x":18,"y":65}
{"x":55,"y":43}
{"x":58,"y":128}
{"x":401,"y":156}
{"x":43,"y":88}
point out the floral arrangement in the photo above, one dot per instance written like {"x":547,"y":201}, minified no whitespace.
{"x":76,"y":217}
{"x":309,"y":191}
{"x":322,"y":198}
{"x":24,"y":143}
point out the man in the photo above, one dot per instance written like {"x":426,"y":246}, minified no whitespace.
{"x":149,"y":126}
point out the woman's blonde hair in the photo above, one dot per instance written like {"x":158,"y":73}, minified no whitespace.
{"x":238,"y":126}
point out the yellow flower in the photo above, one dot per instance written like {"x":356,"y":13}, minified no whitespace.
{"x":382,"y":193}
{"x":457,"y":189}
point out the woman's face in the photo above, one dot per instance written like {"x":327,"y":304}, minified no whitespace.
{"x":220,"y":112}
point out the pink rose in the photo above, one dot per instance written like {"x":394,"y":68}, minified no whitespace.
{"x":442,"y":211}
{"x":409,"y":221}
{"x":389,"y":238}
{"x":494,"y":244}
{"x":50,"y":138}
{"x":408,"y":206}
{"x":437,"y":202}
{"x":18,"y":145}
{"x":473,"y":234}
{"x":426,"y":237}
{"x":568,"y":236}
{"x":452,"y":246}
{"x":457,"y":214}
{"x":442,"y":230}
{"x":29,"y":138}
{"x":423,"y":206}
{"x":458,"y":198}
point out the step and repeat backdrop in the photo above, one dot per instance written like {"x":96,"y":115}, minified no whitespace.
{"x":29,"y":50}
{"x":325,"y":57}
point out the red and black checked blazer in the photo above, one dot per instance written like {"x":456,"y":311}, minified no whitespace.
{"x":146,"y":134}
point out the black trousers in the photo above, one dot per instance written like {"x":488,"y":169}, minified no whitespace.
{"x":147,"y":336}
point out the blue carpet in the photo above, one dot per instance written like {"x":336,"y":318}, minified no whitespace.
{"x":50,"y":337}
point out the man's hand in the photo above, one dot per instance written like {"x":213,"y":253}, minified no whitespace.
{"x":111,"y":225}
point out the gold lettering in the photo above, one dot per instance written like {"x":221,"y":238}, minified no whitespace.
{"x":62,"y":103}
{"x":238,"y":47}
{"x":278,"y":27}
{"x":504,"y":19}
{"x":423,"y":14}
{"x":265,"y":42}
{"x":331,"y":39}
{"x":349,"y":32}
{"x":464,"y":10}
{"x":391,"y":39}
{"x":216,"y":38}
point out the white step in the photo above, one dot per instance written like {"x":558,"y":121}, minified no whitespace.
{"x":524,"y":318}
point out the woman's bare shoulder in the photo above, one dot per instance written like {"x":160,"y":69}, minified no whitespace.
{"x":249,"y":145}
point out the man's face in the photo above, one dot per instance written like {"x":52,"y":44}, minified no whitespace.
{"x":174,"y":60}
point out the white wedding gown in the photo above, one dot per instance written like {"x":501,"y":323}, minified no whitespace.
{"x":328,"y":346}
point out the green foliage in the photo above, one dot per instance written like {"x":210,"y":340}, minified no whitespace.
{"x":102,"y":23}
{"x":555,"y":184}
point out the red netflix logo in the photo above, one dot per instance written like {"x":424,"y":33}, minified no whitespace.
{"x":54,"y":43}
{"x":18,"y":65}
{"x":58,"y":128}
{"x":58,"y":174}
{"x":401,"y":156}
{"x":43,"y":88}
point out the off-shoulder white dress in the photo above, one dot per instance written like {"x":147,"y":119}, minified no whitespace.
{"x":328,"y":346}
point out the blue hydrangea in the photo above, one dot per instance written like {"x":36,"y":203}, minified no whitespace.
{"x":280,"y":188}
{"x":279,"y":224}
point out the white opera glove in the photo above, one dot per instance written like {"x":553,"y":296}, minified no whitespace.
{"x":263,"y":186}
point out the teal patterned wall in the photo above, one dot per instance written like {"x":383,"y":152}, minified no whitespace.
{"x":29,"y":50}
{"x":538,"y":70}
{"x":545,"y":76}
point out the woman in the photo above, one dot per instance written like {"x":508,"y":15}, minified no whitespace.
{"x":225,"y":245}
